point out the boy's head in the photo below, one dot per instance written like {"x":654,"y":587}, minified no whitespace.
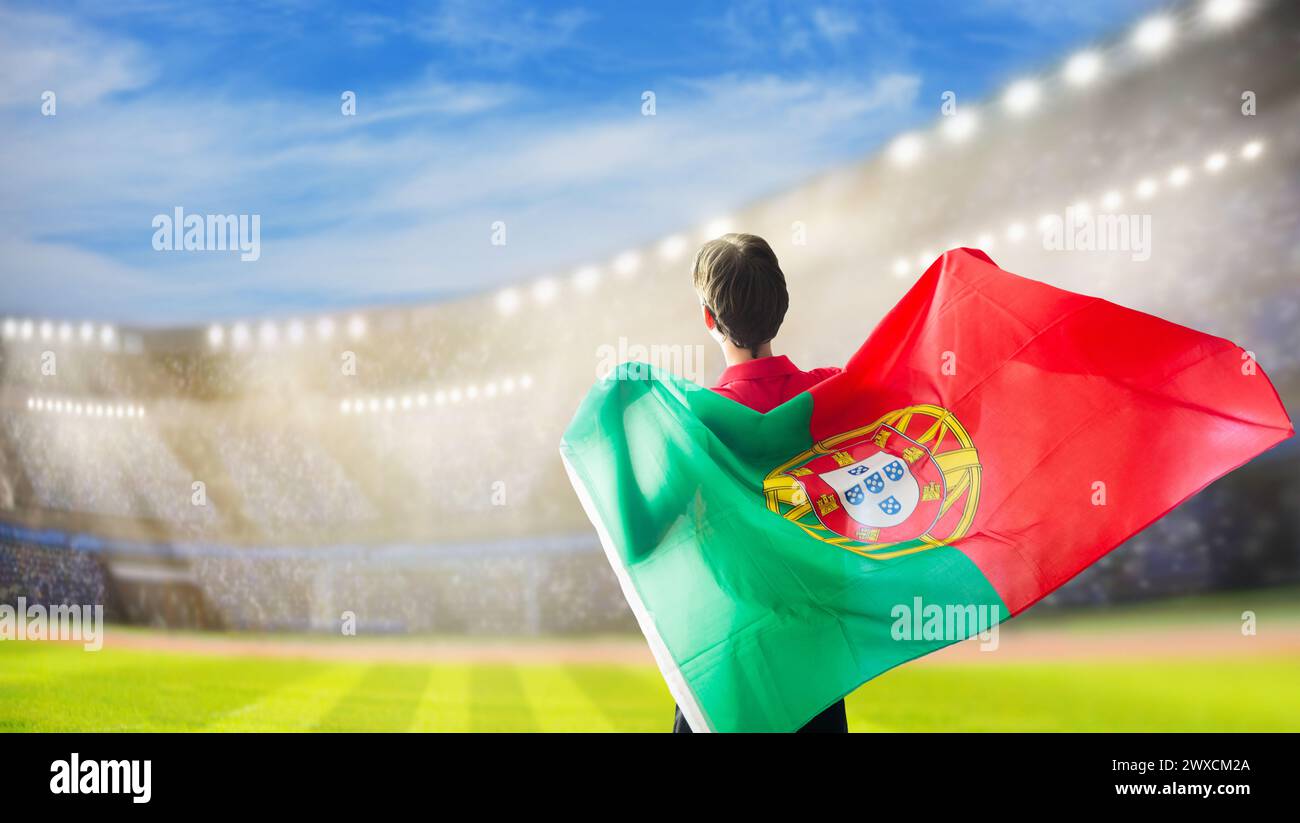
{"x":742,"y":289}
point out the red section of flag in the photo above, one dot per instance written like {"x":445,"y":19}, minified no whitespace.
{"x":1091,"y":420}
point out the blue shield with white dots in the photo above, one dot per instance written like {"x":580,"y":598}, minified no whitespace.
{"x":878,"y":491}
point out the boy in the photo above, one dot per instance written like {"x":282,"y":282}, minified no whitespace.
{"x":743,"y":296}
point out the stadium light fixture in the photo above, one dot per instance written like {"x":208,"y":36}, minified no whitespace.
{"x":140,"y":411}
{"x":10,"y":328}
{"x":46,"y":330}
{"x":390,"y":403}
{"x":544,"y":290}
{"x":1153,"y":35}
{"x":78,"y":409}
{"x":672,"y":247}
{"x":373,"y":405}
{"x":490,"y":390}
{"x":454,"y":395}
{"x":900,"y":267}
{"x":717,"y":227}
{"x":1021,"y":96}
{"x":107,"y":334}
{"x":1081,"y":209}
{"x":325,"y":328}
{"x":239,"y":335}
{"x":216,"y":336}
{"x":25,"y":330}
{"x":627,"y":263}
{"x":296,"y":332}
{"x":65,"y":332}
{"x":526,"y":381}
{"x":268,"y":335}
{"x":422,"y":399}
{"x":1215,"y":162}
{"x":508,"y":301}
{"x":1016,"y":232}
{"x":1224,"y":12}
{"x":984,"y":241}
{"x":1083,"y":68}
{"x":471,"y":392}
{"x":960,"y":126}
{"x":1179,"y":176}
{"x":31,"y":403}
{"x":1146,"y":188}
{"x":439,"y":398}
{"x":906,"y":149}
{"x":508,"y":385}
{"x":1112,"y":200}
{"x":1252,"y":150}
{"x":87,"y":332}
{"x":925,"y":258}
{"x":586,"y":278}
{"x":356,"y":327}
{"x":407,"y":402}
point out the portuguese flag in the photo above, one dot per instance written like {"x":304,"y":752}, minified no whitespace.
{"x":992,"y":437}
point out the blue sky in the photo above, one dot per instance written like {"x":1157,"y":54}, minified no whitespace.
{"x":467,"y":113}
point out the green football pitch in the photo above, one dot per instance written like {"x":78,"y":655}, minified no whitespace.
{"x":1212,"y":687}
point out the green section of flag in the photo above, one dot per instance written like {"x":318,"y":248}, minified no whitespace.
{"x":756,"y":625}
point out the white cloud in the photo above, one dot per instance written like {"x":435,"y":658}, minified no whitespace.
{"x":498,"y":32}
{"x":400,"y":199}
{"x":834,"y":25}
{"x":40,"y":52}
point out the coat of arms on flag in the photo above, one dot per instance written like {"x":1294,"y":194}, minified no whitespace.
{"x":908,"y":482}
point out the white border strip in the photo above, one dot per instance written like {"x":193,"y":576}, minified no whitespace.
{"x":677,"y":685}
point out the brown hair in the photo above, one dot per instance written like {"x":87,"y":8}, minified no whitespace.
{"x":743,"y":287}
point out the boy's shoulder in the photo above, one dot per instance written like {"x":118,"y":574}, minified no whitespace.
{"x":824,"y":372}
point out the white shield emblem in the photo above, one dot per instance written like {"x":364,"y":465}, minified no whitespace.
{"x":879,"y":491}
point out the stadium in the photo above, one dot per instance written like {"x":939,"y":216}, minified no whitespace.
{"x":231,"y":492}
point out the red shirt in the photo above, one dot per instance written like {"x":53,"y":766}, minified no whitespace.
{"x":767,"y":382}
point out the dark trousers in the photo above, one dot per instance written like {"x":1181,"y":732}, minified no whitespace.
{"x":831,"y":721}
